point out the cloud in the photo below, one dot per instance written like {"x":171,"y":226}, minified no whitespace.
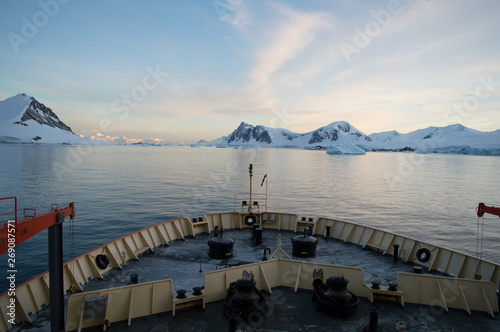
{"x":285,"y":42}
{"x":232,"y":11}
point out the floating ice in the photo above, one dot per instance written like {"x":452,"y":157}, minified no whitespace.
{"x":345,"y":148}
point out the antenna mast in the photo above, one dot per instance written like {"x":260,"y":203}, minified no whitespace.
{"x":250,"y":173}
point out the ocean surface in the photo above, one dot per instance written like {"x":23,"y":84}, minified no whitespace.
{"x":120,"y":189}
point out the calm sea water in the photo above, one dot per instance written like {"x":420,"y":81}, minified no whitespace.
{"x":120,"y":189}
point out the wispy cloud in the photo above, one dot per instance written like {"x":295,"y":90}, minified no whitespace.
{"x":285,"y":42}
{"x":234,"y":12}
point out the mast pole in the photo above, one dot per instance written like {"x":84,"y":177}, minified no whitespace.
{"x":250,"y":173}
{"x":267,"y":180}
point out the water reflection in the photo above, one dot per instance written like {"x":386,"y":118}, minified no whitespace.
{"x":119,"y":189}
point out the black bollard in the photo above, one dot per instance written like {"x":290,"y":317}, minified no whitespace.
{"x":373,"y":320}
{"x":257,"y":239}
{"x":328,"y":232}
{"x":395,"y":256}
{"x":256,"y":235}
{"x":264,"y":257}
{"x":255,"y":226}
{"x":233,"y":315}
{"x":373,"y":324}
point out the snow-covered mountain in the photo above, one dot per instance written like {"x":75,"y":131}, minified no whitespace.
{"x":386,"y":136}
{"x":453,"y":138}
{"x":214,"y":142}
{"x":23,"y":119}
{"x":246,"y":134}
{"x":336,"y":132}
{"x":339,"y":131}
{"x":451,"y":131}
{"x":341,"y":137}
{"x":122,"y":140}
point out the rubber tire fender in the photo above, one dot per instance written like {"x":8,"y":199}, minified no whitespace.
{"x":250,"y":219}
{"x":423,"y":254}
{"x":102,"y":261}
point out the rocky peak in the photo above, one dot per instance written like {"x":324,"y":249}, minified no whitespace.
{"x":245,"y":132}
{"x":334,"y":131}
{"x":43,"y":115}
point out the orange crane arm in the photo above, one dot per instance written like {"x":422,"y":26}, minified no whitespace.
{"x":482,"y":209}
{"x":23,"y":229}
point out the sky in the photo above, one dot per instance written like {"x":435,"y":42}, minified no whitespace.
{"x":190,"y":70}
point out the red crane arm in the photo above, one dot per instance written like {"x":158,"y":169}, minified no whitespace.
{"x":23,"y":229}
{"x":482,"y":209}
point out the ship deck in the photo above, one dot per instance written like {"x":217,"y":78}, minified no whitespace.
{"x":292,"y":309}
{"x":180,"y":261}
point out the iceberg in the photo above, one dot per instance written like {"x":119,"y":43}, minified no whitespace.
{"x":345,"y":148}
